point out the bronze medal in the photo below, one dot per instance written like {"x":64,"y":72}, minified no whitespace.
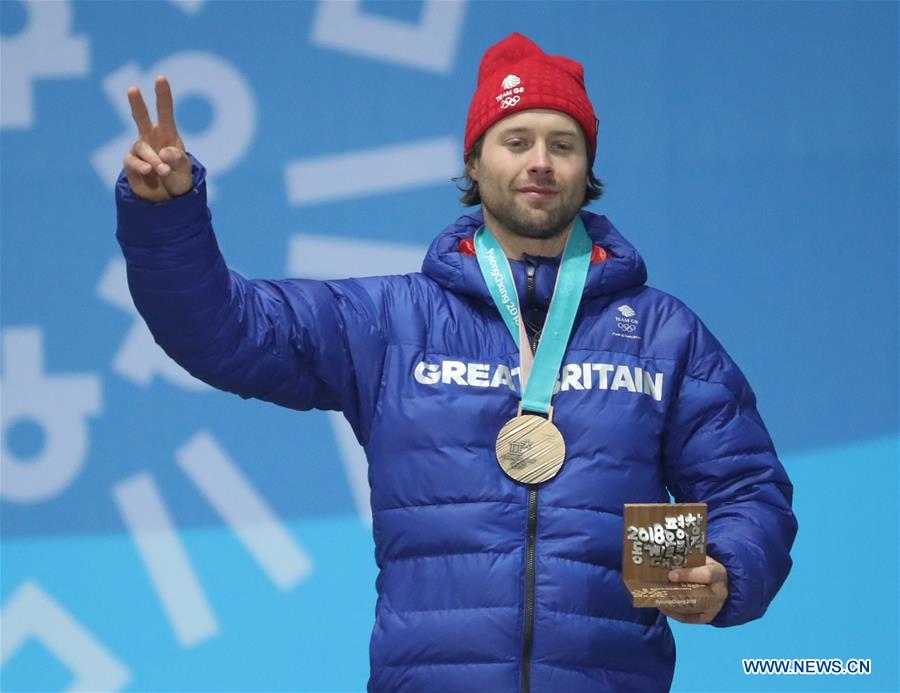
{"x":530,"y":448}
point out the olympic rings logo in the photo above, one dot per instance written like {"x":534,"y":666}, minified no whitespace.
{"x":626,"y":327}
{"x":510,"y":101}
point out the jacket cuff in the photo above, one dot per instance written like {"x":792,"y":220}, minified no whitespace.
{"x":145,"y":223}
{"x":745,"y":600}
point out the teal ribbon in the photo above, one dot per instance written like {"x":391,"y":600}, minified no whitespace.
{"x":538,"y":385}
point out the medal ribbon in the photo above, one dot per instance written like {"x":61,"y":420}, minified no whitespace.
{"x":537,"y":374}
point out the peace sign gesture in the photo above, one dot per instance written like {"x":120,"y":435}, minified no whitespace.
{"x":156,"y":165}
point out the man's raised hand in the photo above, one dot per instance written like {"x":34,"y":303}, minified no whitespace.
{"x":156,"y":165}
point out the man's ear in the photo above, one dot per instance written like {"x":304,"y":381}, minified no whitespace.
{"x":472,"y":168}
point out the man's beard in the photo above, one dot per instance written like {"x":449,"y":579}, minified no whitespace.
{"x":548,"y":223}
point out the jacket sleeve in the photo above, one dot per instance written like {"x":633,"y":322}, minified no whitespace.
{"x":298,"y":343}
{"x":717,"y":450}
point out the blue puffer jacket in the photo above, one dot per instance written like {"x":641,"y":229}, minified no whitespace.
{"x":483,"y":584}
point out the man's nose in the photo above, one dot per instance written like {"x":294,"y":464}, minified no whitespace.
{"x":540,"y":162}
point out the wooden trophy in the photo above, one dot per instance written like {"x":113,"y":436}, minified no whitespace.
{"x":660,"y":537}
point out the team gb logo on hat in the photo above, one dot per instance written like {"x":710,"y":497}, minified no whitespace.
{"x":511,"y":90}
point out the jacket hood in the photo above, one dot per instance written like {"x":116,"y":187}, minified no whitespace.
{"x":458,"y":271}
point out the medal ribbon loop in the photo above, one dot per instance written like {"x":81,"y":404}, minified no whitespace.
{"x":537,"y":373}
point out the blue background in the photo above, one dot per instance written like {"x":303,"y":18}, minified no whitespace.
{"x":749,"y":152}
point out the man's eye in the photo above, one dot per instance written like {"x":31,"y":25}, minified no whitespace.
{"x":563,"y":145}
{"x":515,"y":143}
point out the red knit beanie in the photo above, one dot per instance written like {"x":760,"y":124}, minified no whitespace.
{"x":516,"y":75}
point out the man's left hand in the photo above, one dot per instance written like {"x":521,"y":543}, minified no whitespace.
{"x":712,"y":574}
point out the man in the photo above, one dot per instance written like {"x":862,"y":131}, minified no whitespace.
{"x":491,"y":579}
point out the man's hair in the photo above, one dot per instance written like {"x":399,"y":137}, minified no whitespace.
{"x":469,"y":189}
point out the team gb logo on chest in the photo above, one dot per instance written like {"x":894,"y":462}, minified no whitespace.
{"x":626,"y":323}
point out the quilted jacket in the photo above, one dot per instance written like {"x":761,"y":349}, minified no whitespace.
{"x":484,"y":584}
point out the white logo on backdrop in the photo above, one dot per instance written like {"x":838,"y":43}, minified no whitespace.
{"x":429,"y":45}
{"x":60,"y":404}
{"x":44,"y":48}
{"x":378,"y":171}
{"x":165,"y":559}
{"x":32,"y":614}
{"x":189,"y":6}
{"x":321,"y":256}
{"x":192,"y":74}
{"x":139,"y":358}
{"x":164,"y":556}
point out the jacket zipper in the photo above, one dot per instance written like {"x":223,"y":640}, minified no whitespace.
{"x":531,"y":531}
{"x":530,"y":542}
